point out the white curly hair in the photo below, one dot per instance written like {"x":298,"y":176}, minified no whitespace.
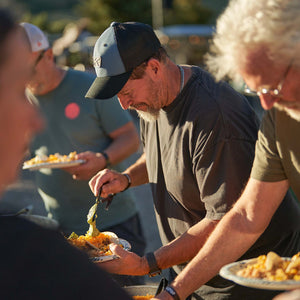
{"x":247,"y":25}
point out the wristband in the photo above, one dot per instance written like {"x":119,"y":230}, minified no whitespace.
{"x":129,"y":181}
{"x":172,"y":292}
{"x":104,"y":154}
{"x":154,"y":269}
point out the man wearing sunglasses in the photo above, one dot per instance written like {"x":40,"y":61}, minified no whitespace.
{"x":257,"y":41}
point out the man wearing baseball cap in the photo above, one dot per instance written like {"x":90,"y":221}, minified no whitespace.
{"x":199,"y":138}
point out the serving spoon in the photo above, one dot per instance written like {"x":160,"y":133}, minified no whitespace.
{"x":92,"y":214}
{"x":93,"y":210}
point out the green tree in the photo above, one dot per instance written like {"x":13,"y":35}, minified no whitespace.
{"x":102,"y":12}
{"x":187,"y":12}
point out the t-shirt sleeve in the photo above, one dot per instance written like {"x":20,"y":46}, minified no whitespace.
{"x":267,"y":164}
{"x":222,"y":172}
{"x":112,"y":115}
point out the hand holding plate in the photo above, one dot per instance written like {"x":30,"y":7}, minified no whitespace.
{"x":128,"y":263}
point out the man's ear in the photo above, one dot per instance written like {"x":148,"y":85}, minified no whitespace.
{"x":49,"y":53}
{"x":154,"y":69}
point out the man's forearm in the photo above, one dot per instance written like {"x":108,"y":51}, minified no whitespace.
{"x":233,"y":236}
{"x":125,"y":141}
{"x":185,"y":247}
{"x":220,"y":249}
{"x":138,"y":171}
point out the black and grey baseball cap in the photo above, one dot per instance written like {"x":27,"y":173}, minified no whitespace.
{"x":119,"y":49}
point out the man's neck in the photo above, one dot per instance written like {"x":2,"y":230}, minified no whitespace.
{"x":57,"y":77}
{"x":54,"y":77}
{"x":178,"y":76}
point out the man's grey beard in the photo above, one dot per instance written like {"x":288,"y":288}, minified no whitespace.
{"x":150,"y":115}
{"x":293,"y":113}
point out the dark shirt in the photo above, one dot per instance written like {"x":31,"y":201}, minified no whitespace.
{"x":38,"y":263}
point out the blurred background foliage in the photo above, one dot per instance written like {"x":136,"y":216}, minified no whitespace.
{"x":73,"y":25}
{"x":102,"y":12}
{"x":53,"y":15}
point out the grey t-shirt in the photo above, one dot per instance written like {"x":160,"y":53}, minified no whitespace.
{"x":199,"y":155}
{"x":74,"y":123}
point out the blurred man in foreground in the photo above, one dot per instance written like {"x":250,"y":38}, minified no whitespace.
{"x":258,"y":41}
{"x":36,"y":263}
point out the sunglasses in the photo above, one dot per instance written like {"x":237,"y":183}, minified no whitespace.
{"x":40,"y":57}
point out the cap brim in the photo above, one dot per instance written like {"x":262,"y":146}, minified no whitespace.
{"x":106,"y":87}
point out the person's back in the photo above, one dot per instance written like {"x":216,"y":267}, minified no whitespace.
{"x":37,"y":263}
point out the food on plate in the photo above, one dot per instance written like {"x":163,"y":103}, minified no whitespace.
{"x":147,"y":297}
{"x":52,"y":158}
{"x":273,"y":268}
{"x":94,"y":246}
{"x":94,"y":242}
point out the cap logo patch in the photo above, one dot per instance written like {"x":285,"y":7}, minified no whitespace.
{"x":97,"y":62}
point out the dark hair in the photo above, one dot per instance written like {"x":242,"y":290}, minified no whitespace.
{"x":7,"y":25}
{"x":139,"y":71}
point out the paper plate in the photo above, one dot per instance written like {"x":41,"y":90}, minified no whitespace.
{"x":230,"y":272}
{"x":55,"y":165}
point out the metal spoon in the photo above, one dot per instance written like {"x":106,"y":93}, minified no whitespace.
{"x":92,"y":245}
{"x":92,"y":212}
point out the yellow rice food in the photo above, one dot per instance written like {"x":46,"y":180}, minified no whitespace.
{"x":273,"y":267}
{"x":52,"y":158}
{"x":147,"y":297}
{"x":101,"y":241}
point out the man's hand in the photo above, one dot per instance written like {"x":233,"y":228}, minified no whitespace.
{"x":128,"y":264}
{"x":111,"y":182}
{"x":94,"y":162}
{"x":292,"y":295}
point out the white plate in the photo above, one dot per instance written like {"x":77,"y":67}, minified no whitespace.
{"x":126,"y":246}
{"x":56,"y":165}
{"x":230,"y":272}
{"x":42,"y":221}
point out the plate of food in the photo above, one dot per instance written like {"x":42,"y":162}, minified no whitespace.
{"x":53,"y":161}
{"x":96,"y":243}
{"x":268,"y":272}
{"x":97,"y":247}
